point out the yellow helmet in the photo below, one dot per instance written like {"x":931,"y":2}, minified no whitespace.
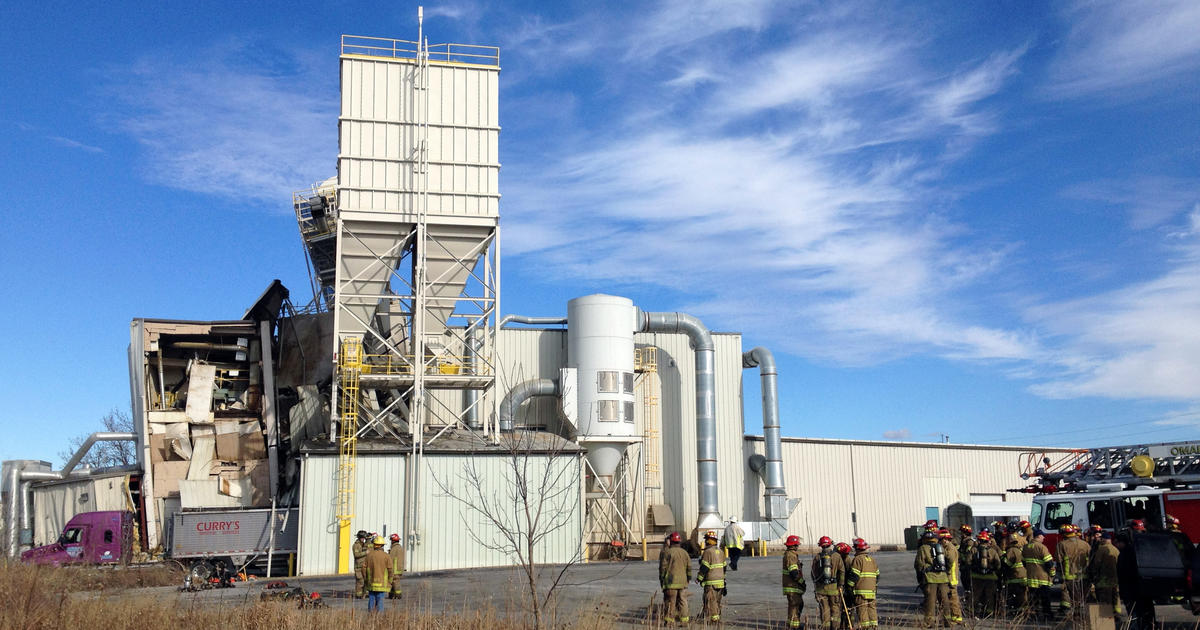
{"x":378,"y":542}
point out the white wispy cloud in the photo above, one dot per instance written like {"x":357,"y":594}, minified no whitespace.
{"x":232,"y":121}
{"x":1113,"y":45}
{"x":75,"y":144}
{"x":787,"y":197}
{"x":1140,"y":341}
{"x":1149,"y":200}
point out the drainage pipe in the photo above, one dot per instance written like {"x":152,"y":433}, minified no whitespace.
{"x":706,"y":419}
{"x":770,"y":470}
{"x":519,"y":394}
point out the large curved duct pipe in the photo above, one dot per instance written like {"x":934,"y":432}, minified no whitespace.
{"x":519,"y":394}
{"x":771,"y":469}
{"x":20,"y":480}
{"x":471,"y":402}
{"x":706,"y":403}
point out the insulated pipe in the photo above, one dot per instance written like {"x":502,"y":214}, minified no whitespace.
{"x":519,"y":394}
{"x":87,"y":444}
{"x":706,"y":403}
{"x":472,"y":418}
{"x":472,"y":398}
{"x":772,"y":470}
{"x":522,"y":319}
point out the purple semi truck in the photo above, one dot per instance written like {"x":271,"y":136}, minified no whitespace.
{"x":88,"y":538}
{"x":200,"y":540}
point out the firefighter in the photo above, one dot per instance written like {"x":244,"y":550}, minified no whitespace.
{"x":733,"y":543}
{"x":985,"y":571}
{"x":829,"y":575}
{"x":1015,"y":585}
{"x":1039,"y":573}
{"x":1102,"y":573}
{"x":675,"y":571}
{"x":1173,"y":524}
{"x":793,"y":581}
{"x":947,"y":541}
{"x":863,"y":579}
{"x":844,"y":550}
{"x":966,"y":548}
{"x":712,"y":576}
{"x":377,"y":570}
{"x":662,"y":570}
{"x":359,"y":550}
{"x":1026,"y":529}
{"x":931,"y":525}
{"x":933,"y":575}
{"x":1072,"y":555}
{"x":396,"y":551}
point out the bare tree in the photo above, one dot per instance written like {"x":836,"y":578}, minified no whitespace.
{"x":536,"y":498}
{"x":105,"y":454}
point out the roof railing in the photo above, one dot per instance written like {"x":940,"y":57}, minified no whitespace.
{"x":406,"y":49}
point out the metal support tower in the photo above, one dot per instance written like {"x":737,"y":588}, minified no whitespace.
{"x":416,"y":263}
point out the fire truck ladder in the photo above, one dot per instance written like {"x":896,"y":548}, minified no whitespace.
{"x":1163,"y":464}
{"x":349,"y":369}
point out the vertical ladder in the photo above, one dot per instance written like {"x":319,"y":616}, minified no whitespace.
{"x":349,"y":370}
{"x":647,"y":363}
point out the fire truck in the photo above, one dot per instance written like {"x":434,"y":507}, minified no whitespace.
{"x":1111,"y":486}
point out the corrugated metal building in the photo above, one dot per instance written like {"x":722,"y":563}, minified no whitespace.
{"x":56,"y":502}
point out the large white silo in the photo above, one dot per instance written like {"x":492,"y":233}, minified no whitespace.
{"x":600,"y":351}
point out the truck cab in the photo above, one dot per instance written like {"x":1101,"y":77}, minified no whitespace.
{"x":88,"y":538}
{"x":1108,"y":509}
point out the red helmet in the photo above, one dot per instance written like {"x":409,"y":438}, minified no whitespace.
{"x":842,"y":548}
{"x":315,"y":595}
{"x":1173,"y":523}
{"x":675,"y":537}
{"x":792,"y":541}
{"x":1137,"y":525}
{"x":965,"y":528}
{"x":1024,"y":524}
{"x":860,"y":545}
{"x":944,"y":534}
{"x":931,"y":524}
{"x":1067,"y":530}
{"x":984,"y":535}
{"x":395,"y":537}
{"x":825,"y":541}
{"x":1096,"y":529}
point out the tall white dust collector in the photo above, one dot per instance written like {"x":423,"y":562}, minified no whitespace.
{"x":600,"y":371}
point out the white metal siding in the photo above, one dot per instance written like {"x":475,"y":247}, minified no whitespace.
{"x":451,"y":533}
{"x":888,"y":486}
{"x":378,"y":505}
{"x":378,"y":128}
{"x":526,"y":354}
{"x":55,"y":504}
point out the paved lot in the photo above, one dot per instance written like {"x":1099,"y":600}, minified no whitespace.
{"x":627,"y":591}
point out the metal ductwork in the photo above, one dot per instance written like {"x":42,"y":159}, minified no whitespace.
{"x":519,"y":394}
{"x":472,"y":395}
{"x":20,"y":480}
{"x":770,"y":468}
{"x":706,"y":419}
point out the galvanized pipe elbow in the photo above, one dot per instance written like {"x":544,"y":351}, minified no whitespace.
{"x":519,"y":394}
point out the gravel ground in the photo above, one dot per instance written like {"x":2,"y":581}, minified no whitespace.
{"x":624,"y":591}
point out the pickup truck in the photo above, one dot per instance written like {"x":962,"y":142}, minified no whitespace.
{"x":200,"y":540}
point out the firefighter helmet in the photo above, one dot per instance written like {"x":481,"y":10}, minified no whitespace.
{"x":929,"y":534}
{"x":362,"y":533}
{"x":315,"y":595}
{"x":861,"y":545}
{"x":1067,"y":530}
{"x":378,"y":542}
{"x":1173,"y":523}
{"x":965,"y":529}
{"x":1137,"y":525}
{"x":931,"y":524}
{"x":984,"y":535}
{"x":710,"y":535}
{"x":944,"y":534}
{"x":1096,"y":529}
{"x":395,"y":538}
{"x":842,"y":548}
{"x":825,"y":541}
{"x":792,"y":541}
{"x":1024,"y":524}
{"x":675,"y":537}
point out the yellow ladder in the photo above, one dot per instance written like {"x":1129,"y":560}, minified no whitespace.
{"x":350,"y":367}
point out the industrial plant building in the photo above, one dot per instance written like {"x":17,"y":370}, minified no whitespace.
{"x":400,"y":400}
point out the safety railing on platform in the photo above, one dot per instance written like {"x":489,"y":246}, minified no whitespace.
{"x":405,"y":49}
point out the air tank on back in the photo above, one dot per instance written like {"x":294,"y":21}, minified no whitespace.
{"x":600,"y":351}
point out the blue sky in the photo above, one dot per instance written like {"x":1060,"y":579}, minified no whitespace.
{"x":973,"y":219}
